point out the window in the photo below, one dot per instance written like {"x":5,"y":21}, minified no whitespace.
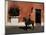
{"x":14,"y":12}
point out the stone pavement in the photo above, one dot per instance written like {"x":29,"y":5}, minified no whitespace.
{"x":17,"y":30}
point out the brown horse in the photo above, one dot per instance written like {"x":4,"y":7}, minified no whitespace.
{"x":28,"y":22}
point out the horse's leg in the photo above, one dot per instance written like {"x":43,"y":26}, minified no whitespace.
{"x":25,"y":26}
{"x":33,"y":25}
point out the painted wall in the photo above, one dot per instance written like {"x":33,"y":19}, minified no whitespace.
{"x":26,"y":9}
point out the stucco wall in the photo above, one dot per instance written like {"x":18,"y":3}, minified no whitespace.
{"x":26,"y":9}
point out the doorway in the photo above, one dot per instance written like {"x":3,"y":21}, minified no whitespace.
{"x":38,"y":16}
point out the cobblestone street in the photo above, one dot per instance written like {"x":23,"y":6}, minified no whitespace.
{"x":17,"y":30}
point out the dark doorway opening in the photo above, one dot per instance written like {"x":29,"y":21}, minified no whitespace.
{"x":38,"y":15}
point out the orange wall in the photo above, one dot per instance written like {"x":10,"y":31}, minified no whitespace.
{"x":25,"y":9}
